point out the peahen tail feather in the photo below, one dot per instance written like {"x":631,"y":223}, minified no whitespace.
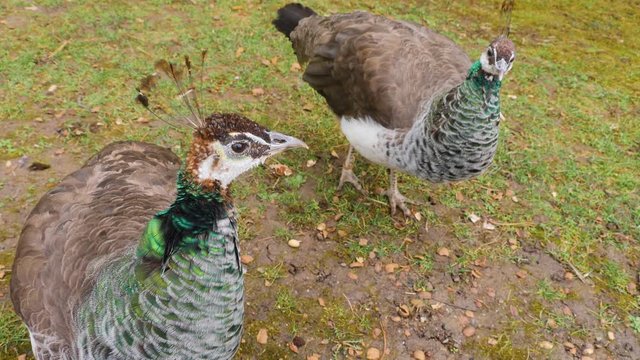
{"x":289,"y":16}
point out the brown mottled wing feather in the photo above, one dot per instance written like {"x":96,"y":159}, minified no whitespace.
{"x":94,"y":214}
{"x":367,"y":65}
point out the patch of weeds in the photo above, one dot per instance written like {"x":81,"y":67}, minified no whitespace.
{"x":283,"y":233}
{"x":286,"y":302}
{"x":547,"y":292}
{"x":634,"y":323}
{"x":272,"y":273}
{"x":423,"y":263}
{"x":387,"y":247}
{"x":295,"y":182}
{"x":13,"y":332}
{"x":345,"y":324}
{"x":615,"y":276}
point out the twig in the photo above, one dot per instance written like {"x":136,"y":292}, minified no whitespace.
{"x":384,"y":340}
{"x":60,"y":48}
{"x":349,"y":302}
{"x":376,"y":201}
{"x":524,"y":223}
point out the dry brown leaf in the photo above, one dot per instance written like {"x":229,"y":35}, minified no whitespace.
{"x":469,"y":331}
{"x":295,"y":67}
{"x":311,"y":162}
{"x":293,"y":348}
{"x":334,"y":154}
{"x":321,"y":302}
{"x":281,"y":169}
{"x":257,"y":92}
{"x":373,"y":354}
{"x":391,"y":267}
{"x":239,"y":51}
{"x":246,"y":259}
{"x":443,"y":251}
{"x":352,"y":276}
{"x":262,"y":336}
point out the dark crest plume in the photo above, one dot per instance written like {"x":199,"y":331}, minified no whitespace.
{"x":506,"y":9}
{"x":182,"y":77}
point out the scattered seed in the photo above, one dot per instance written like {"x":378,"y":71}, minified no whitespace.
{"x":293,"y":348}
{"x":611,"y":336}
{"x":352,"y":276}
{"x":469,"y":314}
{"x":246,"y":259}
{"x":492,"y":341}
{"x":321,"y":302}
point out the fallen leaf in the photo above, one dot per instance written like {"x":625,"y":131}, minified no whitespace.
{"x":459,"y":196}
{"x":246,"y":259}
{"x":307,"y":107}
{"x":294,"y":243}
{"x":321,"y":302}
{"x":52,"y":89}
{"x":311,"y":162}
{"x":342,"y":233}
{"x":521,"y":274}
{"x":352,"y":276}
{"x":373,"y":354}
{"x":257,"y":91}
{"x":356,"y":264}
{"x":363,"y":242}
{"x":298,"y":341}
{"x":443,"y":251}
{"x":295,"y":67}
{"x":403,"y":310}
{"x":419,"y":355}
{"x":488,"y":226}
{"x":391,"y":267}
{"x":469,"y":331}
{"x":293,"y":348}
{"x":474,"y":218}
{"x":38,"y":166}
{"x":239,"y":51}
{"x":281,"y":169}
{"x":262,"y":336}
{"x":334,"y":154}
{"x":265,"y":62}
{"x":546,"y":345}
{"x":321,"y":227}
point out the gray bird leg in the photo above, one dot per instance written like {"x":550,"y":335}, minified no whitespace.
{"x":348,"y":175}
{"x":395,"y":198}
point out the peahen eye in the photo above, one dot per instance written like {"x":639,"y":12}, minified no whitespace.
{"x":239,"y":147}
{"x":490,"y":52}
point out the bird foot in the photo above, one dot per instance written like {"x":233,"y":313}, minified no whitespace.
{"x":397,"y":200}
{"x":348,"y":176}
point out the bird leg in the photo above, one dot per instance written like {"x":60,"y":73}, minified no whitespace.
{"x":347,"y":173}
{"x":395,"y":198}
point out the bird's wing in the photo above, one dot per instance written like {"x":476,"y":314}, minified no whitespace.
{"x":94,"y":214}
{"x":367,"y":65}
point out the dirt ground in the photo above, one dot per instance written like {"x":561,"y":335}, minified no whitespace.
{"x":447,"y":316}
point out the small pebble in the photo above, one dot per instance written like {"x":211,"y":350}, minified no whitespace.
{"x":588,"y":349}
{"x":419,"y":355}
{"x":611,"y":336}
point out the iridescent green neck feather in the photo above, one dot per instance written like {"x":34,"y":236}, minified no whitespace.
{"x":194,"y":212}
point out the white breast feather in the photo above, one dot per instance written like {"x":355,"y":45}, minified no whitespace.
{"x":367,"y":137}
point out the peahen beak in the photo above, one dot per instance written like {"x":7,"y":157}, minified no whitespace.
{"x":281,"y":142}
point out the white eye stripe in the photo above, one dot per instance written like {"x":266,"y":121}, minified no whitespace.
{"x":257,"y":139}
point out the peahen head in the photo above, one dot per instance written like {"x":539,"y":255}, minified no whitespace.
{"x":498,"y":58}
{"x":227,"y":145}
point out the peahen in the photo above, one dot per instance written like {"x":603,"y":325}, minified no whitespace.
{"x":408,"y":98}
{"x":135,"y":256}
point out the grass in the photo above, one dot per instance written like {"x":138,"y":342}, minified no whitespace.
{"x":13,"y":333}
{"x":568,"y":148}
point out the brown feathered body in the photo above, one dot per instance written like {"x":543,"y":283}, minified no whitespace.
{"x":369,"y":65}
{"x":93,"y":216}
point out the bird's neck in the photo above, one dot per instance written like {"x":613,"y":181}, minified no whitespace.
{"x":185,"y":225}
{"x":460,"y":125}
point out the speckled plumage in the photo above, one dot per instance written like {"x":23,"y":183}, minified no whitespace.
{"x":114,"y":297}
{"x":408,"y":98}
